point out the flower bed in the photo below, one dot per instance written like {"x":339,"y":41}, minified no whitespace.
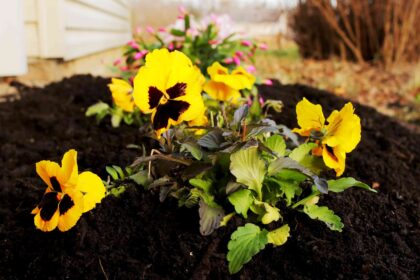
{"x":135,"y":236}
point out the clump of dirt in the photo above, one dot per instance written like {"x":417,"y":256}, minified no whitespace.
{"x":137,"y":237}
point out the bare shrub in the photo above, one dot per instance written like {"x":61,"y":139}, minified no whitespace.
{"x":361,"y":30}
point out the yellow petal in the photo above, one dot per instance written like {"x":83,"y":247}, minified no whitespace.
{"x":343,"y":129}
{"x":69,"y":170}
{"x":335,"y":159}
{"x":122,"y":94}
{"x":309,"y":117}
{"x":240,"y":79}
{"x":220,"y":91}
{"x":46,"y":225}
{"x":47,"y":169}
{"x":216,"y":69}
{"x":92,"y":188}
{"x":70,"y":209}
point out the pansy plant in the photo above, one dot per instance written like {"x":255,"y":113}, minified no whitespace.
{"x":255,"y":171}
{"x":68,"y":194}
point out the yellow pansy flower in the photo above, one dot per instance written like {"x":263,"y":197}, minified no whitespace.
{"x":169,"y":87}
{"x":224,"y":86}
{"x":68,"y":195}
{"x":337,"y":138}
{"x":122,"y":94}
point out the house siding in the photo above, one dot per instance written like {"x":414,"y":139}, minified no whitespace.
{"x":69,"y":29}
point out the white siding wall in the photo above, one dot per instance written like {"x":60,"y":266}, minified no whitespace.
{"x":72,"y":28}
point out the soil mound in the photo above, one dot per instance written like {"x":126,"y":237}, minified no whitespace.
{"x":137,"y":237}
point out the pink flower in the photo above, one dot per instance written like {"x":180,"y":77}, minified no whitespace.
{"x":239,"y":54}
{"x":268,"y":82}
{"x":171,"y":46}
{"x":237,"y":60}
{"x":251,"y":69}
{"x":133,"y":44}
{"x":261,"y":100}
{"x":263,"y":46}
{"x":117,"y":61}
{"x":162,"y":29}
{"x":140,"y":54}
{"x":150,"y":29}
{"x":138,"y":29}
{"x":228,"y":60}
{"x":123,"y":68}
{"x":246,"y":43}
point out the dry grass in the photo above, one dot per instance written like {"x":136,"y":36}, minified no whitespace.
{"x":394,"y":91}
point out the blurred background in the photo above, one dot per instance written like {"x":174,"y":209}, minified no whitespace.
{"x":365,"y":50}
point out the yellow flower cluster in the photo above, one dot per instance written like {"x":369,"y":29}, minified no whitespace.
{"x":169,"y":88}
{"x":337,"y":138}
{"x":68,"y":195}
{"x":226,"y":87}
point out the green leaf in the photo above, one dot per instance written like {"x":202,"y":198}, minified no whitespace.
{"x":187,"y":22}
{"x":241,"y":200}
{"x":302,"y":155}
{"x":128,"y":119}
{"x":117,"y":191}
{"x":282,"y":163}
{"x":119,"y":171}
{"x":240,"y":114}
{"x":204,"y":185}
{"x":344,"y":183}
{"x":324,"y":214}
{"x":255,"y":130}
{"x":248,"y":169}
{"x":194,"y":149}
{"x":177,"y":32}
{"x":112,"y":172}
{"x":267,"y":213}
{"x":279,"y":236}
{"x":245,"y":243}
{"x":302,"y":151}
{"x":288,"y":188}
{"x":321,"y":184}
{"x":291,"y":175}
{"x":211,"y":140}
{"x":277,"y":144}
{"x":226,"y":219}
{"x":141,"y":178}
{"x":96,"y":109}
{"x":210,"y":218}
{"x":116,"y":119}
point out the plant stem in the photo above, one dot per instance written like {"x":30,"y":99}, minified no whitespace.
{"x":304,"y":200}
{"x":168,"y":141}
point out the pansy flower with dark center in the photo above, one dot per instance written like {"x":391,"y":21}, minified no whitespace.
{"x":169,"y":87}
{"x":226,"y":86}
{"x":122,"y":94}
{"x":337,"y":138}
{"x":68,"y":195}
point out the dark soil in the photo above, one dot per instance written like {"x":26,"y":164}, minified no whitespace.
{"x":137,"y":237}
